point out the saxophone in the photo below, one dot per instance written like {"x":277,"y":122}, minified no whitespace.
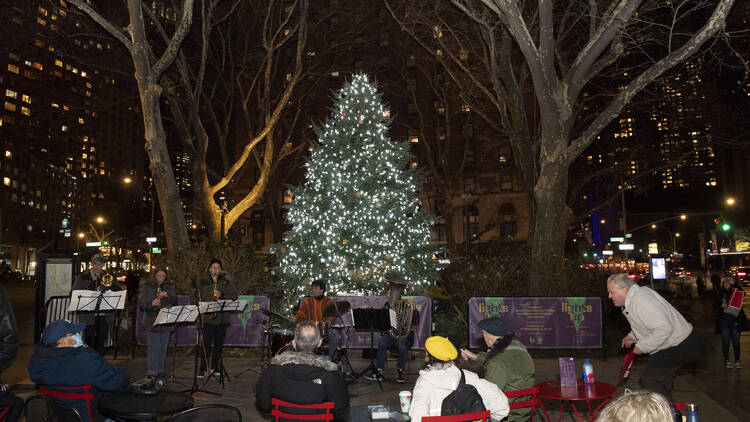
{"x":404,"y":308}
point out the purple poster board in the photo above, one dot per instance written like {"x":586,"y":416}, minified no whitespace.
{"x":542,"y":322}
{"x":361,"y":339}
{"x":245,"y":329}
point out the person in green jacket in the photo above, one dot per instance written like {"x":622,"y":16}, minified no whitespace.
{"x":506,"y":363}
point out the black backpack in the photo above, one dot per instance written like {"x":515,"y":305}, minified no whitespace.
{"x":464,"y":399}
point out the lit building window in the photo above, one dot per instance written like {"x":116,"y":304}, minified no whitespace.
{"x":10,"y":93}
{"x":55,"y":105}
{"x":10,"y":106}
{"x":13,"y":68}
{"x":64,"y":128}
{"x":58,"y":63}
{"x":25,"y":111}
{"x":25,"y":98}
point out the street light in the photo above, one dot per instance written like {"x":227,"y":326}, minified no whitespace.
{"x":672,"y":235}
{"x":100,"y":220}
{"x":730,"y":201}
{"x":127,"y":180}
{"x":683,"y":217}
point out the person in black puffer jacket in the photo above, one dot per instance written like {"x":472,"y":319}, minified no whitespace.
{"x":302,"y":377}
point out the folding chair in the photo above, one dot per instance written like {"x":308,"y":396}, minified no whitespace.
{"x":466,"y":417}
{"x":68,"y":393}
{"x":324,"y":411}
{"x":533,"y":402}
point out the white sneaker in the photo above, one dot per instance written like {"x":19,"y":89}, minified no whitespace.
{"x":738,"y":365}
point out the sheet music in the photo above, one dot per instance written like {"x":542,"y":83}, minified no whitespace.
{"x":175,"y":314}
{"x":87,"y":300}
{"x":216,"y":306}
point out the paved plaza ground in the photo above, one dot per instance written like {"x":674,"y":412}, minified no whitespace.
{"x":721,"y":393}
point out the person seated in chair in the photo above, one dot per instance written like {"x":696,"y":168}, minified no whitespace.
{"x":441,"y":376}
{"x":302,"y":377}
{"x":387,"y":340}
{"x":63,"y":360}
{"x":506,"y":363}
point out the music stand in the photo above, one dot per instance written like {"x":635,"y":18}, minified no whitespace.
{"x":174,"y":315}
{"x":220,"y":306}
{"x":369,"y":319}
{"x":96,"y":301}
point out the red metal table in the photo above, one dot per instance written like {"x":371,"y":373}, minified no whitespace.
{"x":582,"y":392}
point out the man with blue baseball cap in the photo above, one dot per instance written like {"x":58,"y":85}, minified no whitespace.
{"x":506,"y":363}
{"x":64,"y":360}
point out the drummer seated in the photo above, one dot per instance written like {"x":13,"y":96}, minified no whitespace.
{"x":302,"y":377}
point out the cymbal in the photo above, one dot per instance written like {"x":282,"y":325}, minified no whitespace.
{"x":336,"y":309}
{"x":273,"y":314}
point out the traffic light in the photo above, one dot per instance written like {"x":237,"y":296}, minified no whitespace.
{"x":723,"y":224}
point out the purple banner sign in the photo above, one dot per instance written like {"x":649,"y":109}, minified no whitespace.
{"x":542,"y":322}
{"x":245,"y":329}
{"x":361,"y":339}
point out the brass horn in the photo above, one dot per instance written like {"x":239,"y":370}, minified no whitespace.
{"x":107,"y":279}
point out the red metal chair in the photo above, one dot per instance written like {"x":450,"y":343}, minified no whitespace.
{"x":4,"y":411}
{"x":466,"y":417}
{"x":69,"y":393}
{"x":533,"y":402}
{"x":324,"y":409}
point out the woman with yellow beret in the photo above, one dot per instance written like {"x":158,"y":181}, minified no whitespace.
{"x":440,"y":376}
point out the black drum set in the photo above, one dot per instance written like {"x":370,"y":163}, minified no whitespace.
{"x":277,"y":339}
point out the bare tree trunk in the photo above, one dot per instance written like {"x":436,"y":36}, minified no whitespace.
{"x":551,"y":218}
{"x":148,"y":70}
{"x":175,"y":227}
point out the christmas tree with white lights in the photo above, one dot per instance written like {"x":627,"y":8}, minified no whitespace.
{"x":357,"y":217}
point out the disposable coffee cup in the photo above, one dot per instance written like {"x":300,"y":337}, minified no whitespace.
{"x":405,"y":398}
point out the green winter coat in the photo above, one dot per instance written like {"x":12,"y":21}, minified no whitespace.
{"x":513,"y":369}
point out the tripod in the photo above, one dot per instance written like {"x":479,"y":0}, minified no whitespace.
{"x":200,"y":348}
{"x":370,"y":320}
{"x":172,"y":379}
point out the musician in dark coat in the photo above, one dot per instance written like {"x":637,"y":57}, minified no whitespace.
{"x":217,"y":286}
{"x":98,"y":324}
{"x":157,"y":293}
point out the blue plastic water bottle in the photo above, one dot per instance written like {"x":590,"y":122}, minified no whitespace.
{"x":692,"y":413}
{"x":588,"y":372}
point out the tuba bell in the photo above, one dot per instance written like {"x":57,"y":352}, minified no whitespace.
{"x":404,"y":308}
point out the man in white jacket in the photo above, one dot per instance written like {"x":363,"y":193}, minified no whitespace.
{"x":657,"y":329}
{"x":441,"y":376}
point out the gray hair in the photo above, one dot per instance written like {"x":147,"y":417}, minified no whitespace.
{"x":638,"y":406}
{"x":621,"y":280}
{"x":306,"y":337}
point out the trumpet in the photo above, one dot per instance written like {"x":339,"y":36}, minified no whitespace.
{"x":158,"y":293}
{"x":215,"y":290}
